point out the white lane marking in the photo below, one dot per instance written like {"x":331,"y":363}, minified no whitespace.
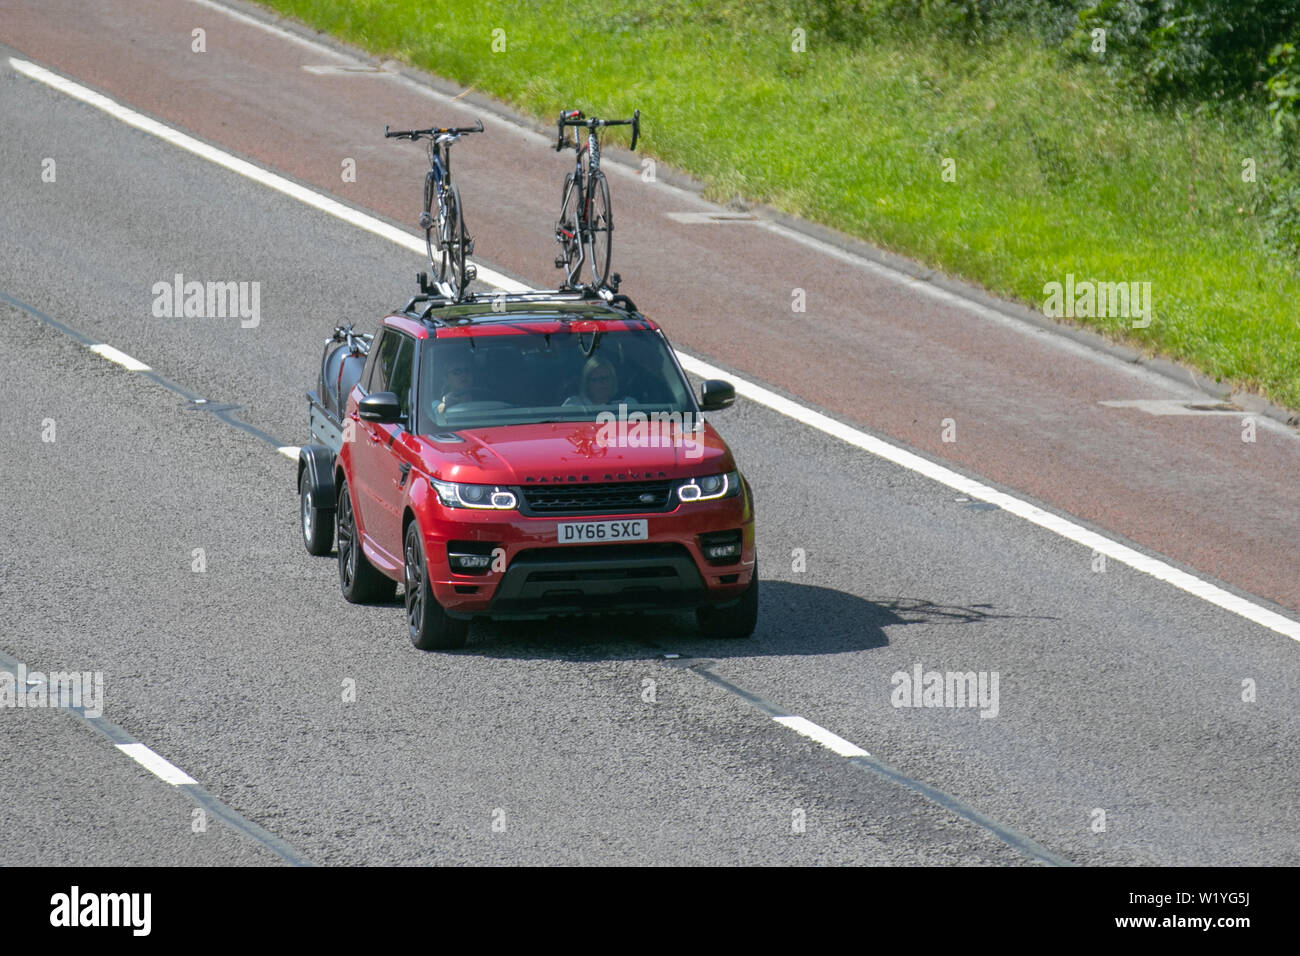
{"x":155,"y":764}
{"x":289,"y":451}
{"x":246,"y":169}
{"x":121,"y":358}
{"x":823,"y":736}
{"x":272,"y":28}
{"x":853,"y":436}
{"x":1022,"y":509}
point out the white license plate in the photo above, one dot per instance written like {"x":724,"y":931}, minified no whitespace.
{"x":587,"y":532}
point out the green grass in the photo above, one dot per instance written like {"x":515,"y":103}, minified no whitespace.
{"x":1058,"y":170}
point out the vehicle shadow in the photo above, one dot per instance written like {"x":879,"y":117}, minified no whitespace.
{"x":794,"y":619}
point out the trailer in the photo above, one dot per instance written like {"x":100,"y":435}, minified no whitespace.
{"x":342,"y":361}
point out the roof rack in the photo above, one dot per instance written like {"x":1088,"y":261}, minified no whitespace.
{"x":434,"y":297}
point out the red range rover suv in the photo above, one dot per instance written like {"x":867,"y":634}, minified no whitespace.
{"x":528,"y":455}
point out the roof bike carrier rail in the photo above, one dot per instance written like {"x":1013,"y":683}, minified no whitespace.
{"x":432,"y":301}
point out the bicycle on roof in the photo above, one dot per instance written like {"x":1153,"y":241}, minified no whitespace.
{"x":447,"y":233}
{"x":586,"y":221}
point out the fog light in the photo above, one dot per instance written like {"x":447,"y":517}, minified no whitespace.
{"x":469,"y":557}
{"x":722,"y":547}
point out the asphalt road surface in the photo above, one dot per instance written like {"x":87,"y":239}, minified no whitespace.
{"x":150,"y":530}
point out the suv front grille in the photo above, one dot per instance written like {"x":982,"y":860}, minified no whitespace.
{"x":606,"y":498}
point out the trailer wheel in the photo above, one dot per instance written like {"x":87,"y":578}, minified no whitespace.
{"x":316,"y":524}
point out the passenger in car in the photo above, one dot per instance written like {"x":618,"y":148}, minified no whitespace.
{"x":599,"y":385}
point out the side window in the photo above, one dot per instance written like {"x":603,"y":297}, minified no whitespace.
{"x":400,"y":377}
{"x":371,"y":360}
{"x":382,"y":362}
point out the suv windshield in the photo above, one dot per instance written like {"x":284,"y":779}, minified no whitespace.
{"x":524,"y":376}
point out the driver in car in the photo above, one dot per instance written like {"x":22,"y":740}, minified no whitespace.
{"x":599,"y":385}
{"x":458,"y":386}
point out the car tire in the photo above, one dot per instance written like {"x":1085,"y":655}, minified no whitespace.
{"x":429,"y":625}
{"x":316,"y":524}
{"x":359,"y":580}
{"x":734,"y":621}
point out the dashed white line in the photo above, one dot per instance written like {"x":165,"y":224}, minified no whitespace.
{"x":1070,"y":530}
{"x":830,"y":741}
{"x":289,"y":451}
{"x":121,"y":358}
{"x":159,"y":766}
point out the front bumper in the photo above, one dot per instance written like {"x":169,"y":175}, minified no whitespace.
{"x":532,"y":576}
{"x":578,"y":579}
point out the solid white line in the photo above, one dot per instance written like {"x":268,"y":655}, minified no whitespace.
{"x":823,"y":736}
{"x":121,"y":358}
{"x":1021,"y":509}
{"x":853,"y":436}
{"x":289,"y":451}
{"x":244,"y":168}
{"x":158,"y":766}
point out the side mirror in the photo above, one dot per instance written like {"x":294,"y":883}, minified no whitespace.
{"x":715,"y":395}
{"x":382,"y":408}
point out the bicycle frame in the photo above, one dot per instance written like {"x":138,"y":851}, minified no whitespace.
{"x":593,"y":166}
{"x":439,"y":171}
{"x":581,"y":178}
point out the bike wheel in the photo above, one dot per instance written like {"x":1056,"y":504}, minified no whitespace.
{"x":600,"y":228}
{"x":454,"y":242}
{"x":568,"y":232}
{"x":432,"y":227}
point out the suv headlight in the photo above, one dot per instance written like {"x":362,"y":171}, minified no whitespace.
{"x":710,"y":487}
{"x":490,"y":497}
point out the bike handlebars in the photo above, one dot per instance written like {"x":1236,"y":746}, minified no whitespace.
{"x":414,"y":134}
{"x":357,"y":342}
{"x":575,"y":118}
